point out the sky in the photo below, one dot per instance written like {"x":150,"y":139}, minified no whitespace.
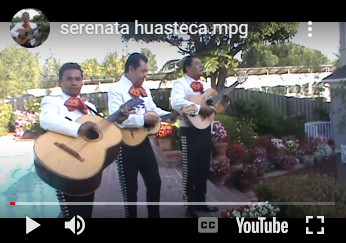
{"x":79,"y":47}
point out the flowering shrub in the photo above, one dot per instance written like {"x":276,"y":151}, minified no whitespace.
{"x":166,"y":130}
{"x":261,"y":160}
{"x":262,"y":209}
{"x":323,"y":151}
{"x":278,"y":143}
{"x":249,"y":173}
{"x":266,"y":143}
{"x":260,"y":152}
{"x":219,"y":133}
{"x":292,"y":145}
{"x":287,"y":161}
{"x":331,"y":143}
{"x":307,"y":147}
{"x":219,"y":168}
{"x":26,"y":121}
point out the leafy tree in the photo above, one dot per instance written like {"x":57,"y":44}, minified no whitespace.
{"x":113,"y":66}
{"x":152,"y":65}
{"x":317,"y":89}
{"x":50,"y":74}
{"x":285,"y":54}
{"x":19,"y":71}
{"x":92,"y":69}
{"x":215,"y":43}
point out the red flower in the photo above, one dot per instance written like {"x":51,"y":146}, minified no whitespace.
{"x":197,"y":86}
{"x":165,"y":131}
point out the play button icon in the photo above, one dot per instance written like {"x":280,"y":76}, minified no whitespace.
{"x":31,"y":225}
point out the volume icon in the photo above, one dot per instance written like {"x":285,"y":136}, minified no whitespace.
{"x":77,"y":226}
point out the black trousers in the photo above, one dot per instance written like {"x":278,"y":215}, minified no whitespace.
{"x":196,"y":151}
{"x":140,"y":159}
{"x":69,"y":211}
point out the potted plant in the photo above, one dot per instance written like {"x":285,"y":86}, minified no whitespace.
{"x":247,"y":177}
{"x":287,"y":162}
{"x":218,"y":171}
{"x":261,"y":160}
{"x":164,"y":136}
{"x":220,"y":140}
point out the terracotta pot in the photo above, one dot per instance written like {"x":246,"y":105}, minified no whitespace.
{"x":220,"y":150}
{"x":245,"y":185}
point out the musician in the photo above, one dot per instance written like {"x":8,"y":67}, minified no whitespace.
{"x":30,"y":26}
{"x":59,"y":114}
{"x":139,"y":158}
{"x":196,"y":144}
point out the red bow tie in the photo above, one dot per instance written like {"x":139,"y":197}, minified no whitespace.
{"x":74,"y":103}
{"x":197,"y":86}
{"x":137,"y":91}
{"x":25,"y":25}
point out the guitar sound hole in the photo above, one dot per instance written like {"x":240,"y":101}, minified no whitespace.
{"x":92,"y":135}
{"x":209,"y":102}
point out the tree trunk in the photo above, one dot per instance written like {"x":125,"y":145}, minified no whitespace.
{"x":213,"y":77}
{"x":221,"y":79}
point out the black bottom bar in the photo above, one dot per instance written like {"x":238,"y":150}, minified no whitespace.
{"x":172,"y":228}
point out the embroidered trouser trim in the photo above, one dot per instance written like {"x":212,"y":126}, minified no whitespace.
{"x":69,"y":211}
{"x":196,"y":148}
{"x":132,"y":160}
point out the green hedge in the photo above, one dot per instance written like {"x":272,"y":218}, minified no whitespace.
{"x":305,"y":188}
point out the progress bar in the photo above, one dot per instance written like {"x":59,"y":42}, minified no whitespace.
{"x":170,"y":203}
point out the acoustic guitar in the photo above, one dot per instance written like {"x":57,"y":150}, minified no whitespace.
{"x":212,"y":98}
{"x":135,"y":136}
{"x":26,"y":35}
{"x":74,"y":165}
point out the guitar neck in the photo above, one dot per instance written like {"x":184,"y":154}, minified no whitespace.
{"x":129,"y":104}
{"x":225,"y":91}
{"x":169,"y":116}
{"x":112,"y":118}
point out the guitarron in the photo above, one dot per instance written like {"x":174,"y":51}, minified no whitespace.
{"x":27,"y":34}
{"x":212,"y":98}
{"x":74,"y":165}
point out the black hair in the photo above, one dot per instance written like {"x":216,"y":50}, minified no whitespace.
{"x":187,"y":62}
{"x":134,"y":61}
{"x":67,"y":66}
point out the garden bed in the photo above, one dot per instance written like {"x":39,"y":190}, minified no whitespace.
{"x":328,"y":167}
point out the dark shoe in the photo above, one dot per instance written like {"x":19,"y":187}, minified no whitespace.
{"x":191,"y":213}
{"x":207,"y":208}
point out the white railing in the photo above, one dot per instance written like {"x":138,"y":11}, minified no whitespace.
{"x":318,"y":128}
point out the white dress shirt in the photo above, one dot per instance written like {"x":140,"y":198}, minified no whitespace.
{"x":19,"y":26}
{"x":56,"y":117}
{"x":118,"y":94}
{"x":181,"y":90}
